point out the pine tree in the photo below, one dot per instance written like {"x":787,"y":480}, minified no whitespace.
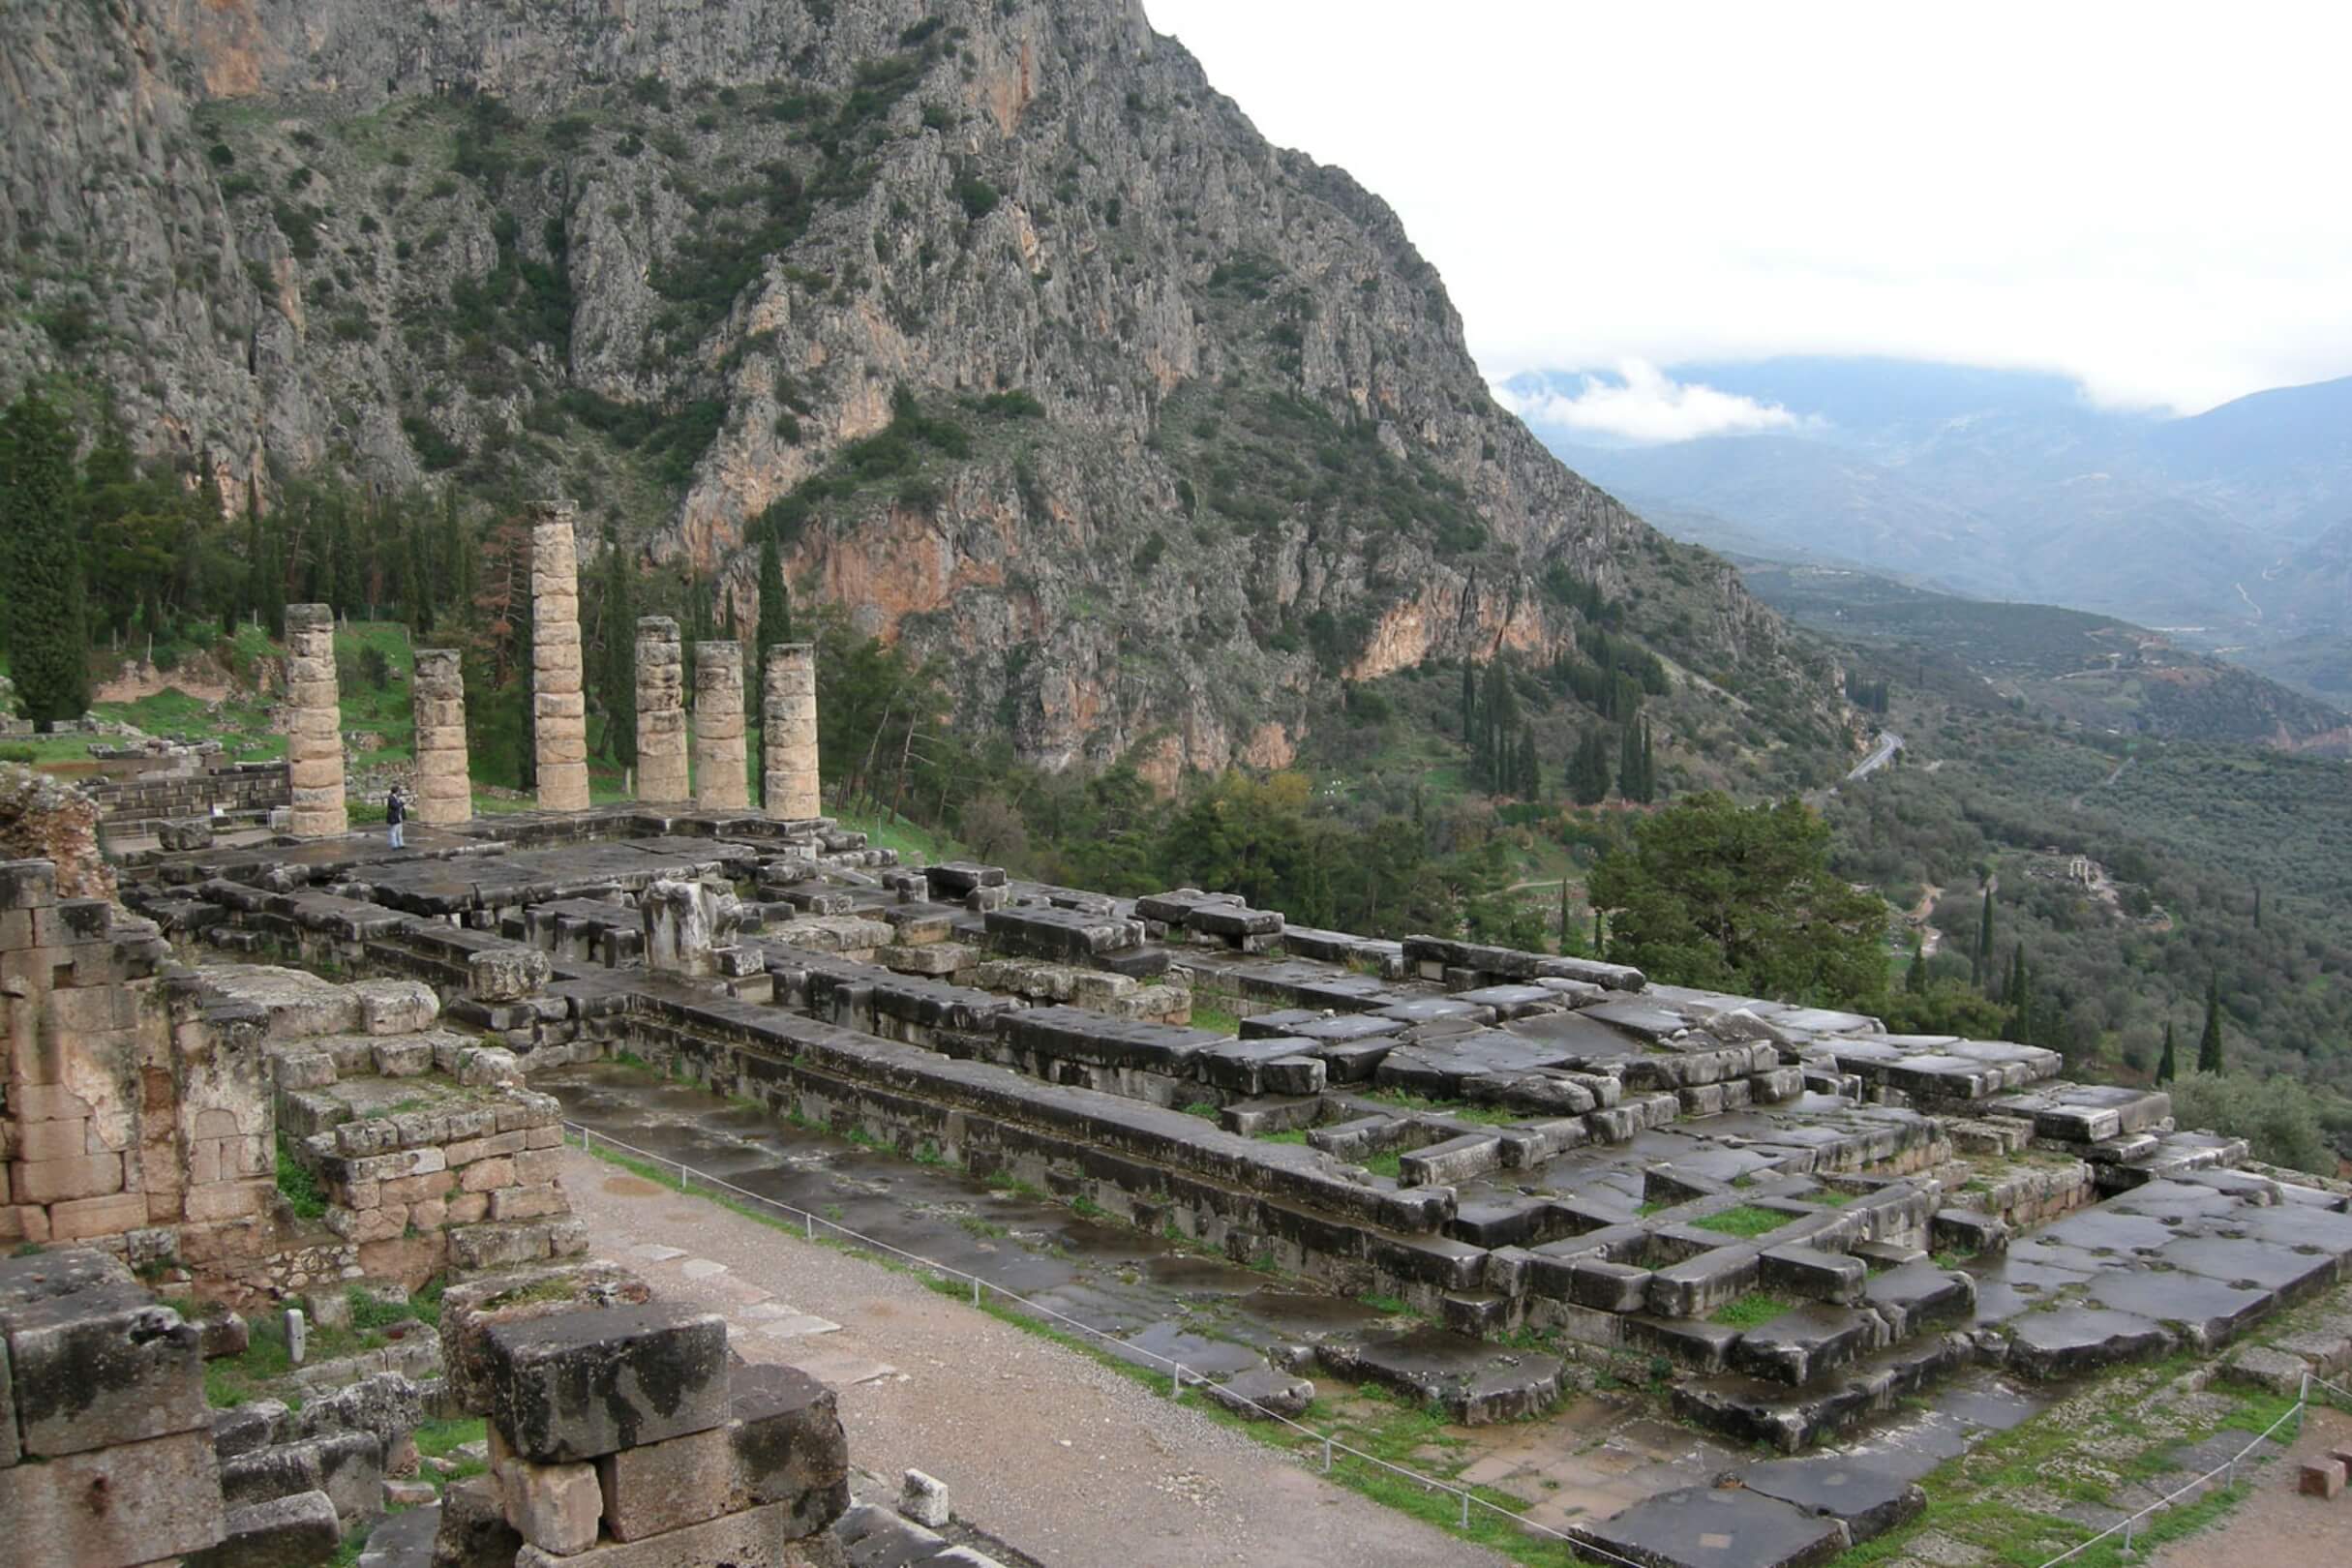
{"x":2168,"y":1065}
{"x":48,"y":628}
{"x":619,"y":663}
{"x":2209,"y":1044}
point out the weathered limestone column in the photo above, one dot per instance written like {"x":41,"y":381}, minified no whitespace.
{"x":558,"y":704}
{"x":661,"y":712}
{"x":313,"y":745}
{"x":445,"y":782}
{"x":684,"y":922}
{"x":789,"y":731}
{"x":720,"y":783}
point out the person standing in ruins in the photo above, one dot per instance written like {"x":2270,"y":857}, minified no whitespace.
{"x":396,"y":815}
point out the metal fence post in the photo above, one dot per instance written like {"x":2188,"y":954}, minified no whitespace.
{"x":1326,"y":1455}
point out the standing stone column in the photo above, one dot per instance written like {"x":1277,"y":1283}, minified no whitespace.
{"x":789,"y":735}
{"x":445,"y":782}
{"x":558,"y":705}
{"x":661,"y":712}
{"x":313,"y":745}
{"x":719,"y":784}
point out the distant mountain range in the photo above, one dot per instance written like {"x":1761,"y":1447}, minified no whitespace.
{"x":2232,"y":528}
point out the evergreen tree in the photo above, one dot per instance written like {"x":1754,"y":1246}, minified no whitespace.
{"x":271,"y":594}
{"x":1565,"y":934}
{"x":1649,"y":767}
{"x":1914,"y":978}
{"x":1588,"y":770}
{"x":2209,"y":1044}
{"x":418,"y":581}
{"x":775,"y":605}
{"x":1980,"y":962}
{"x":1530,"y":776}
{"x":1469,"y":701}
{"x":2168,"y":1065}
{"x":1629,"y":764}
{"x":256,"y":548}
{"x":2021,"y":996}
{"x":350,"y":592}
{"x":47,"y":631}
{"x":2257,"y":907}
{"x":618,"y":681}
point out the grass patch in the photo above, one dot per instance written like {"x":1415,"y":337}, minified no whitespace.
{"x":1746,"y":1219}
{"x":1295,"y":1135}
{"x":1754,"y":1309}
{"x":298,"y":1184}
{"x":262,"y":1370}
{"x":1389,"y":1164}
{"x":1216,"y":1018}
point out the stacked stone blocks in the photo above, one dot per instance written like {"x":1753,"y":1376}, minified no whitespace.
{"x":661,"y":713}
{"x":314,"y":742}
{"x":721,"y":783}
{"x":558,"y":704}
{"x":621,"y":1437}
{"x":789,"y":731}
{"x":105,"y":1444}
{"x":119,"y":1111}
{"x":444,"y":783}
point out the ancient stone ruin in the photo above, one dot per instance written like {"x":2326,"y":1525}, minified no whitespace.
{"x":444,"y":781}
{"x":789,"y":731}
{"x":1798,"y":1229}
{"x":313,"y":741}
{"x":661,"y":713}
{"x":559,"y":702}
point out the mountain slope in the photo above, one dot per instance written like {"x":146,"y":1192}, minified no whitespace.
{"x":1014,"y":333}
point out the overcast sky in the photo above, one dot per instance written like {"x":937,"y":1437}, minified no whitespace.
{"x":2150,"y":197}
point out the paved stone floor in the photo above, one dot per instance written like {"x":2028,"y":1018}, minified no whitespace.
{"x":1040,"y":1446}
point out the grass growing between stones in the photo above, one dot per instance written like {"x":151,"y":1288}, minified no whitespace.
{"x":2112,"y":1445}
{"x":1215,"y":1018}
{"x":440,"y":1439}
{"x":263,"y":1370}
{"x":1754,"y":1309}
{"x":1747,"y":1220}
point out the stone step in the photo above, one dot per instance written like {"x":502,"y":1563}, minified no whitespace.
{"x":1749,"y":1409}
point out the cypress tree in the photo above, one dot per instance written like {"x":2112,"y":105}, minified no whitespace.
{"x":1469,"y":701}
{"x":775,"y":605}
{"x":48,"y":630}
{"x":271,"y":593}
{"x":2257,"y":907}
{"x":350,"y":590}
{"x":1914,"y":978}
{"x":1563,"y":914}
{"x":1980,"y":963}
{"x":2021,"y":995}
{"x":2167,"y":1065}
{"x":620,"y":680}
{"x":2209,"y":1044}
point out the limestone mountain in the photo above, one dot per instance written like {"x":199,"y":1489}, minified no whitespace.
{"x":1013,"y":333}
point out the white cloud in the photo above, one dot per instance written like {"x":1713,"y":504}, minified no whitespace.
{"x":2126,"y":196}
{"x":1646,"y":405}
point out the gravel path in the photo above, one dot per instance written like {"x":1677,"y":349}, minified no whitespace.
{"x":2277,"y":1528}
{"x":1040,"y":1446}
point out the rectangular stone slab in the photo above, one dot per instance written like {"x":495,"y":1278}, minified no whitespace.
{"x":161,"y":1500}
{"x":577,"y":1384}
{"x":99,"y":1367}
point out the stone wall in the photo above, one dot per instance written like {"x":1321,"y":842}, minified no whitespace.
{"x":106,"y":1455}
{"x":43,"y":818}
{"x":246,"y":788}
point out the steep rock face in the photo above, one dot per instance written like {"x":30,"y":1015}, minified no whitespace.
{"x":1023,"y":343}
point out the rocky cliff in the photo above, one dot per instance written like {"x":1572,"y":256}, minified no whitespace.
{"x":1015,"y":334}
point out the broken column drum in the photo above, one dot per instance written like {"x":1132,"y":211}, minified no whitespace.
{"x":444,"y":787}
{"x":314,"y":742}
{"x":790,"y":717}
{"x":661,"y":713}
{"x":684,"y":921}
{"x":558,"y":708}
{"x":719,"y":780}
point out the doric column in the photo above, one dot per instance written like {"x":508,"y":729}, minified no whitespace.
{"x":720,"y":783}
{"x":661,"y":712}
{"x":559,"y":709}
{"x":313,"y":745}
{"x":444,"y":785}
{"x":789,"y":731}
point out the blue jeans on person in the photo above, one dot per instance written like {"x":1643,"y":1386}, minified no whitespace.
{"x":397,"y":842}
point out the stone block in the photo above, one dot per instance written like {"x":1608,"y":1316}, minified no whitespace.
{"x":528,"y":1202}
{"x":58,"y":1181}
{"x":293,"y":1531}
{"x":751,"y":1539}
{"x":573,"y":1385}
{"x":666,"y":1486}
{"x":506,"y":973}
{"x":924,"y":1498}
{"x":100,"y":1367}
{"x":554,"y":1507}
{"x":136,"y":1502}
{"x":2321,"y":1478}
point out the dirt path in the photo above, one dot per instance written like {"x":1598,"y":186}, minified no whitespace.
{"x":1040,"y":1446}
{"x":2277,"y":1528}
